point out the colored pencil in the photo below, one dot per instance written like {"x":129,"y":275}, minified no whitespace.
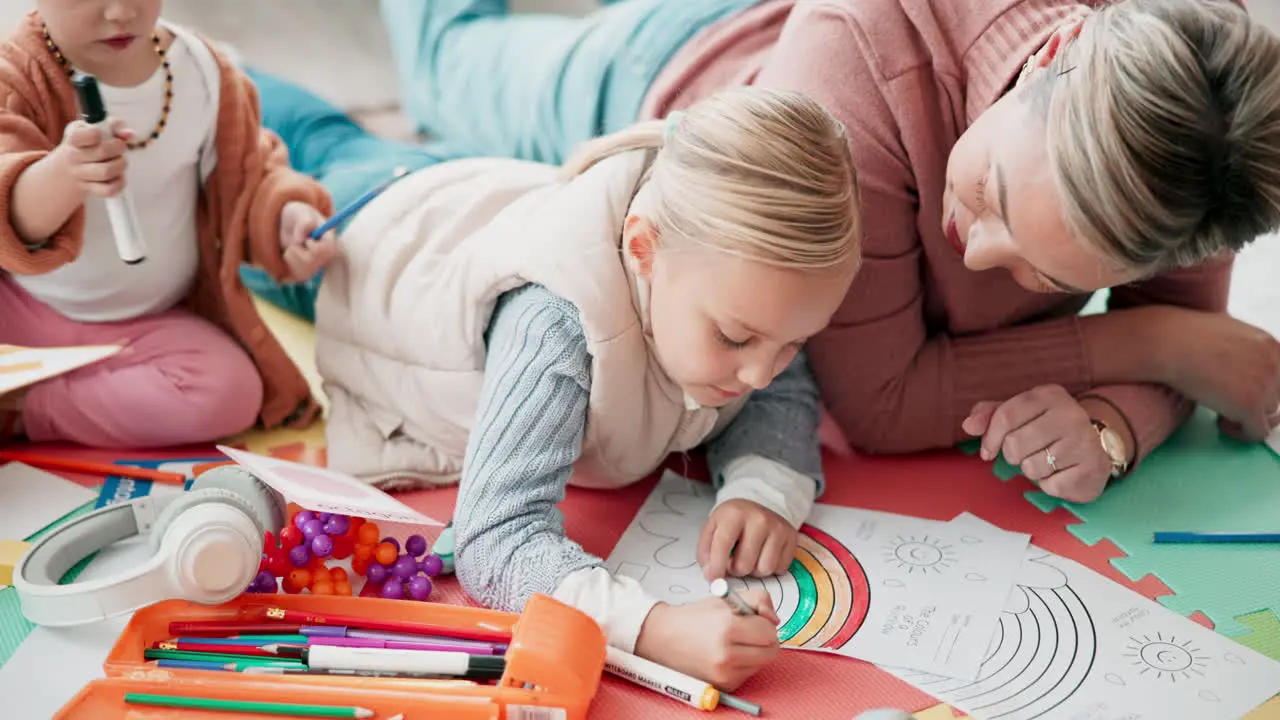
{"x":226,"y":628}
{"x":151,"y":654}
{"x":247,"y":650}
{"x":295,"y":616}
{"x":209,"y":665}
{"x":1216,"y":537}
{"x":247,"y":706}
{"x":360,"y":202}
{"x":445,"y":646}
{"x":441,"y":680}
{"x":90,"y":467}
{"x":250,"y":640}
{"x":479,"y":646}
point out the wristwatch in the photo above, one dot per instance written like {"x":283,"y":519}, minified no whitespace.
{"x":1114,"y":447}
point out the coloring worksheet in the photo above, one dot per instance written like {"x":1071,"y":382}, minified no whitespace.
{"x":876,"y":586}
{"x":1073,"y":644}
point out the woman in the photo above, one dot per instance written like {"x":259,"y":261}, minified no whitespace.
{"x":1015,"y":156}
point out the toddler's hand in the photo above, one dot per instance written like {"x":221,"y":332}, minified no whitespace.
{"x":95,"y":161}
{"x":707,"y":640}
{"x":745,"y":538}
{"x":304,"y":256}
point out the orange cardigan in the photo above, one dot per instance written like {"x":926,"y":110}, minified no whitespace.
{"x":237,"y":214}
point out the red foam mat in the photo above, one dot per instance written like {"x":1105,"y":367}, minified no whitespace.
{"x":802,"y":684}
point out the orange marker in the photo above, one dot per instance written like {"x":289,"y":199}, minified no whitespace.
{"x":93,"y":468}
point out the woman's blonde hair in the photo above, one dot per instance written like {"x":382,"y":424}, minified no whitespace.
{"x":1164,"y":130}
{"x":761,"y":174}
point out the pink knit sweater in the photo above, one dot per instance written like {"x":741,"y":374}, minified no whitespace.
{"x":920,"y":339}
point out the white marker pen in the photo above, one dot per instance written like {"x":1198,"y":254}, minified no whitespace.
{"x":435,"y":662}
{"x":674,"y":684}
{"x":124,"y":220}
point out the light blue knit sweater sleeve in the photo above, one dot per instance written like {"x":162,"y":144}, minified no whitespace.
{"x":508,"y":533}
{"x":779,"y":423}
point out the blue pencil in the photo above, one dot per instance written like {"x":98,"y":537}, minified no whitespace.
{"x":1216,"y":537}
{"x":360,"y":202}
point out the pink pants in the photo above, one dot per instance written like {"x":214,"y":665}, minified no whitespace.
{"x":179,"y":380}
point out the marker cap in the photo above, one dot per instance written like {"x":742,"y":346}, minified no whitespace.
{"x":92,"y":109}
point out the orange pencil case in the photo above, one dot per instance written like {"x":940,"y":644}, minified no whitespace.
{"x":555,"y":657}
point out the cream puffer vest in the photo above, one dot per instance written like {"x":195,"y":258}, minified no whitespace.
{"x":401,"y":317}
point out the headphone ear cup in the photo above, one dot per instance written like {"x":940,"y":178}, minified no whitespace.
{"x":262,"y":503}
{"x":165,"y":519}
{"x":211,"y":545}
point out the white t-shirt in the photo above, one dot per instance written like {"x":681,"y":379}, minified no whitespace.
{"x":163,"y":180}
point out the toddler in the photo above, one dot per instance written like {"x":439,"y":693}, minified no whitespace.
{"x":212,"y":189}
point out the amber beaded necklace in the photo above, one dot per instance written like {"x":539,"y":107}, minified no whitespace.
{"x":168,"y":83}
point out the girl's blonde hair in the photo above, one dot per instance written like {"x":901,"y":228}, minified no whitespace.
{"x":762,"y":174}
{"x":1164,"y":130}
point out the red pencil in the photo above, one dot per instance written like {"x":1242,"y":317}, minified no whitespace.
{"x":93,"y":468}
{"x":226,"y":628}
{"x":214,"y":648}
{"x":294,"y":616}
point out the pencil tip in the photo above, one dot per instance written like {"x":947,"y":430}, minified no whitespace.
{"x":399,"y":716}
{"x":367,"y":713}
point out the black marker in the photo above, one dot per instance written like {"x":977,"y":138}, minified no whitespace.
{"x":124,"y":220}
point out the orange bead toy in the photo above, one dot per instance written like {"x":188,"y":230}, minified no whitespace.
{"x":300,"y":577}
{"x":368,"y":534}
{"x":324,"y":588}
{"x":338,"y":575}
{"x":385,"y":553}
{"x":342,"y":588}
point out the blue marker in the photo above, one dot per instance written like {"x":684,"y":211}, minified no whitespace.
{"x":1216,"y":537}
{"x":360,"y":202}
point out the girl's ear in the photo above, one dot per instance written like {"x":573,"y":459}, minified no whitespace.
{"x":641,"y":243}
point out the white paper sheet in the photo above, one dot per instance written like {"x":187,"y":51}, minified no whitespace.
{"x":22,"y":366}
{"x":1074,"y":645}
{"x":32,"y":499}
{"x":874,"y":586}
{"x":324,"y":490}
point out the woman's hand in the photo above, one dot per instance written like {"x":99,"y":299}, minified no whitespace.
{"x":1050,"y":436}
{"x":1229,"y":366}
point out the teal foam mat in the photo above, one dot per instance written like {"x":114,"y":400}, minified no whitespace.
{"x":1198,"y":480}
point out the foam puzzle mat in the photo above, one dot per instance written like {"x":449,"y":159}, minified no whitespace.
{"x":938,"y":486}
{"x":1198,"y":480}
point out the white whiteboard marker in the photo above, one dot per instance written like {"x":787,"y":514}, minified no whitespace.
{"x":124,"y":220}
{"x":435,"y":662}
{"x":674,"y":684}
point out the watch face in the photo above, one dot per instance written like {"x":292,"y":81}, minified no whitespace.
{"x":1113,"y":445}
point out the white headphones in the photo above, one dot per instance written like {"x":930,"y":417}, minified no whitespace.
{"x":206,"y":545}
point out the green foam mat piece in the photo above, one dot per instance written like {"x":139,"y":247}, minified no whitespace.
{"x":14,"y":626}
{"x":1199,"y":480}
{"x":1264,"y":633}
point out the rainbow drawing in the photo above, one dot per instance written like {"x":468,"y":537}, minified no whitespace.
{"x":823,"y":598}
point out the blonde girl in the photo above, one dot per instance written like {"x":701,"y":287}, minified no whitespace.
{"x":519,"y":326}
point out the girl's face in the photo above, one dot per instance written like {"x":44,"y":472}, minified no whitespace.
{"x":97,"y":34}
{"x":724,"y":326}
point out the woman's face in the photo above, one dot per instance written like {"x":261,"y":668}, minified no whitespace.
{"x":1002,"y":208}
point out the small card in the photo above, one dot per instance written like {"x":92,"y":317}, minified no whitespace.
{"x":323,"y":490}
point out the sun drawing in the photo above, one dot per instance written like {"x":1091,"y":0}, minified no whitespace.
{"x":923,"y":554}
{"x":1165,"y":657}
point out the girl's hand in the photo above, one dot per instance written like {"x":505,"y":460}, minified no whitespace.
{"x":304,"y":256}
{"x":745,"y":538}
{"x":1039,"y":425}
{"x":707,"y":640}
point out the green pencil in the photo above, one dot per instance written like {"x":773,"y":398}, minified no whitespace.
{"x":153,"y":654}
{"x":248,"y":706}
